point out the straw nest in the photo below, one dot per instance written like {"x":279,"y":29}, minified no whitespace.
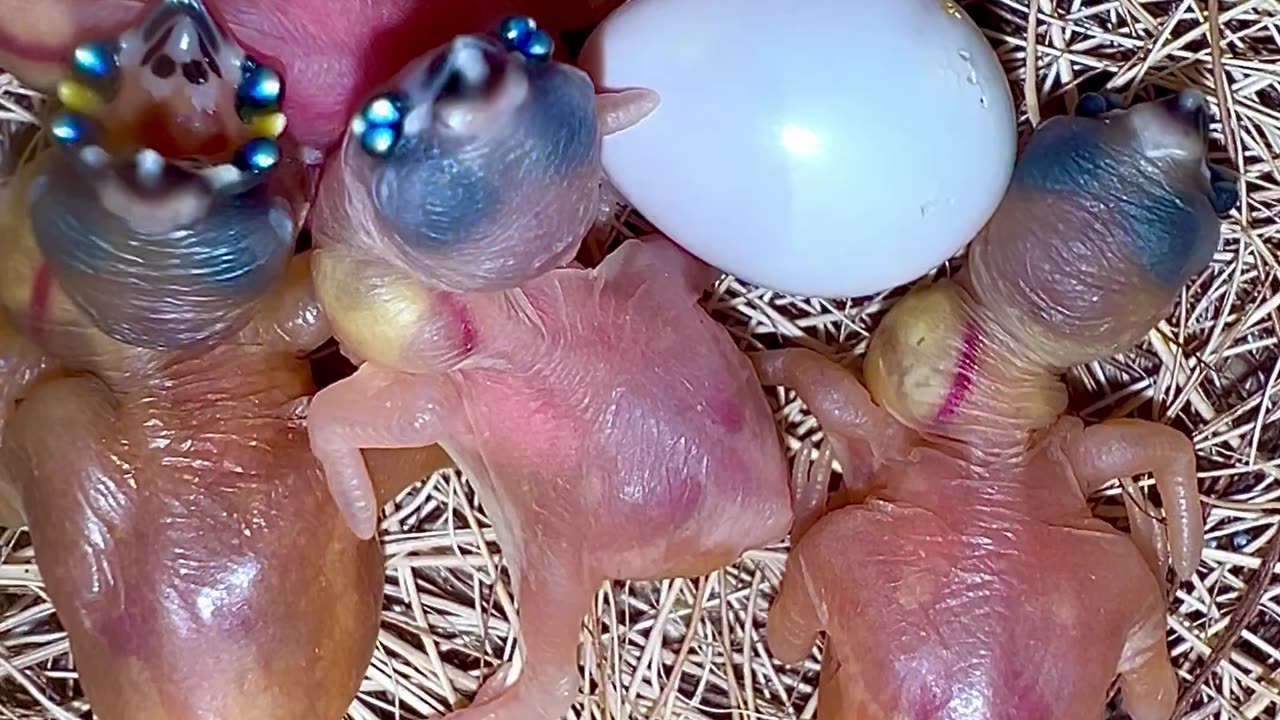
{"x":693,"y":648}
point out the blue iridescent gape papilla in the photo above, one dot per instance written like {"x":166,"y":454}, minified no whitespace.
{"x":380,"y":124}
{"x":261,"y":89}
{"x":521,"y":34}
{"x":97,"y":66}
{"x":258,"y":156}
{"x":97,"y":60}
{"x":73,"y":129}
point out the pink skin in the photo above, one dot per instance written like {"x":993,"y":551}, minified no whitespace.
{"x":962,"y":575}
{"x":181,"y":522}
{"x":331,"y":51}
{"x":612,"y":429}
{"x":593,"y":465}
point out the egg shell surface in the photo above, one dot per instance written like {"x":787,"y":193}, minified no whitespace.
{"x":829,"y":148}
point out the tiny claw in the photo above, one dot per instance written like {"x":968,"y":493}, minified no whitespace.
{"x":810,"y":479}
{"x":1098,"y":104}
{"x":1225,"y":194}
{"x":1150,"y":534}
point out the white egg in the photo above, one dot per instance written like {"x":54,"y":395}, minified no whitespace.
{"x":827,"y":147}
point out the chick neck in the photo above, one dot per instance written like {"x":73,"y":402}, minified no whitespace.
{"x":943,"y":366}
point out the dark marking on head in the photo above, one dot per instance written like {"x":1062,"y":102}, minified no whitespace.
{"x":1169,"y":234}
{"x":433,"y":194}
{"x":562,"y":120}
{"x":209,"y":58}
{"x":172,"y":9}
{"x":164,"y":67}
{"x":156,"y":48}
{"x":1072,"y":159}
{"x":195,"y":72}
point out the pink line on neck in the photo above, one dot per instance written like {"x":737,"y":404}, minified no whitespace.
{"x":461,"y":315}
{"x":41,"y":292}
{"x":966,"y":373}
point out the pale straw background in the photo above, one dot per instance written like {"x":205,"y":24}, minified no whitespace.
{"x":694,"y":648}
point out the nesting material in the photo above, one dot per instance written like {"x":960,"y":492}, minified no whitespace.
{"x":694,"y":648}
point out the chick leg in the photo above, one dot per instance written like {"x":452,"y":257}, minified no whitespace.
{"x":291,"y":319}
{"x":553,"y":601}
{"x":1147,"y":680}
{"x":1122,"y":448}
{"x":21,"y":366}
{"x":793,"y":624}
{"x":841,"y":404}
{"x":374,"y":408}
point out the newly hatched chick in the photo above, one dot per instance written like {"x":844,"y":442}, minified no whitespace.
{"x":612,"y":429}
{"x":151,"y":379}
{"x":969,"y":580}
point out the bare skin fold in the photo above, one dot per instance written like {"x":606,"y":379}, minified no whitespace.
{"x":333,"y":51}
{"x":959,"y":574}
{"x":612,"y":429}
{"x":153,"y":326}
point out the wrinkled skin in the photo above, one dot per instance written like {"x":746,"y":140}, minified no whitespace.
{"x":333,"y":51}
{"x":962,"y":576}
{"x":612,"y":429}
{"x":152,"y":427}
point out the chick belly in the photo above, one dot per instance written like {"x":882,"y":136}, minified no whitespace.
{"x":263,"y":627}
{"x":632,"y":474}
{"x":961,"y":622}
{"x":194,"y":591}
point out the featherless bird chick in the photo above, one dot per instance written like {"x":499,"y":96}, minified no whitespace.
{"x":964,"y":577}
